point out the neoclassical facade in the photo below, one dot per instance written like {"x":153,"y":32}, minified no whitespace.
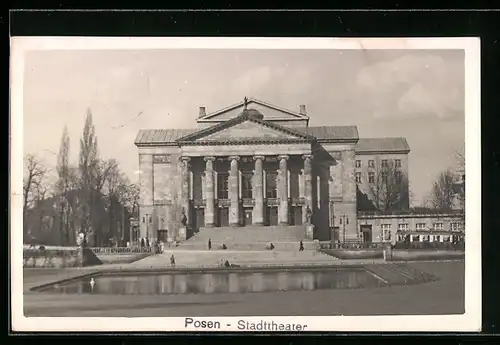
{"x":250,"y":164}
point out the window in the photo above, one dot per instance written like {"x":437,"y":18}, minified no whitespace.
{"x":424,"y":238}
{"x":246,"y":185}
{"x":358,"y":164}
{"x":399,"y":176}
{"x":384,"y":177}
{"x":403,"y":227}
{"x":437,"y":226}
{"x":358,"y":177}
{"x":222,"y":185}
{"x":436,"y":238}
{"x":415,"y":238}
{"x":271,"y":184}
{"x":371,"y":163}
{"x":386,"y":232}
{"x":455,"y":227}
{"x":398,"y":163}
{"x":384,"y":163}
{"x":371,"y":177}
{"x":420,"y":226}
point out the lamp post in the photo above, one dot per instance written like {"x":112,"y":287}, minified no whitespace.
{"x":344,"y":220}
{"x":147,"y":225}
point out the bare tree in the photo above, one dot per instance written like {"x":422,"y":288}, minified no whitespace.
{"x":34,"y":172}
{"x":389,"y":189}
{"x":443,"y":191}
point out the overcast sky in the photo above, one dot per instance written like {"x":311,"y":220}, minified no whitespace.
{"x":415,"y":94}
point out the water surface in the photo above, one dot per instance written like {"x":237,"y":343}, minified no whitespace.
{"x":218,"y":282}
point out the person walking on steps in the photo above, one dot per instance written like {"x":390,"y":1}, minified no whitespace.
{"x":209,"y":243}
{"x":301,"y":246}
{"x":172,"y":260}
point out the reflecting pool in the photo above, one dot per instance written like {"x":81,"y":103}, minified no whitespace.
{"x":216,"y":282}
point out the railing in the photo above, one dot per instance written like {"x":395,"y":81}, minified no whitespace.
{"x":273,"y":202}
{"x":248,"y":202}
{"x":298,"y":201}
{"x":121,"y":250}
{"x":410,"y":213}
{"x":359,"y":245}
{"x":223,"y":202}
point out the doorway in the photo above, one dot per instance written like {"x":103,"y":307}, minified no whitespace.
{"x":199,"y":218}
{"x":162,"y":235}
{"x":223,"y":216}
{"x":366,"y":233}
{"x":296,"y":215}
{"x":272,"y":216}
{"x":247,"y":217}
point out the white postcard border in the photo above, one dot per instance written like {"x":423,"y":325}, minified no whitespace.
{"x":470,"y":321}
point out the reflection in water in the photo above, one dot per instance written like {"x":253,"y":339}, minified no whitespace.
{"x":219,"y":282}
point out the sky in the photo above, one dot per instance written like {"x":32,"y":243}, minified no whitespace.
{"x":417,"y":94}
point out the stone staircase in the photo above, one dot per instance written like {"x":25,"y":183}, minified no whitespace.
{"x":212,"y":258}
{"x":250,"y":238}
{"x":400,"y":274}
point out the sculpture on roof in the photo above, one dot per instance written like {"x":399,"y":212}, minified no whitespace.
{"x":245,"y":102}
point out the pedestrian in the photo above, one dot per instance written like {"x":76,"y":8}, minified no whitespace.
{"x":209,"y":243}
{"x":172,"y":260}
{"x":143,"y":244}
{"x":147,"y":242}
{"x":224,"y":247}
{"x":301,"y":246}
{"x":271,"y":246}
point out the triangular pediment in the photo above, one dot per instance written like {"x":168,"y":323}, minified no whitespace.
{"x":270,"y":112}
{"x":244,"y":128}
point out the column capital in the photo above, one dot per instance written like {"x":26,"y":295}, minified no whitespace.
{"x":234,"y":158}
{"x":308,"y":156}
{"x":209,"y":158}
{"x":185,"y":158}
{"x":285,"y":157}
{"x":259,"y":157}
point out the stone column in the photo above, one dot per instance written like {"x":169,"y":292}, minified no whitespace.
{"x":146,"y":183}
{"x":308,"y":182}
{"x":283,"y":190}
{"x":234,"y":192}
{"x":185,"y":190}
{"x":209,"y":192}
{"x":258,"y":210}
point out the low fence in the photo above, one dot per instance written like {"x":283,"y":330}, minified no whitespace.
{"x":51,"y":258}
{"x":122,"y":250}
{"x":398,"y":245}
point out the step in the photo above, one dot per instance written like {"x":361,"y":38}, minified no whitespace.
{"x":256,"y":246}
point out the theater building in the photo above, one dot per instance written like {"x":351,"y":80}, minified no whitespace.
{"x":255,"y":164}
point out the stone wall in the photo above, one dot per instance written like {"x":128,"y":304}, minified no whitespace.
{"x":160,"y":191}
{"x":340,"y":160}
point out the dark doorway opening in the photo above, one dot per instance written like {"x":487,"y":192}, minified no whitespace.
{"x":223,"y":216}
{"x":366,"y":233}
{"x":247,"y":216}
{"x":272,"y":216}
{"x":296,"y":215}
{"x":199,"y":218}
{"x":162,"y":235}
